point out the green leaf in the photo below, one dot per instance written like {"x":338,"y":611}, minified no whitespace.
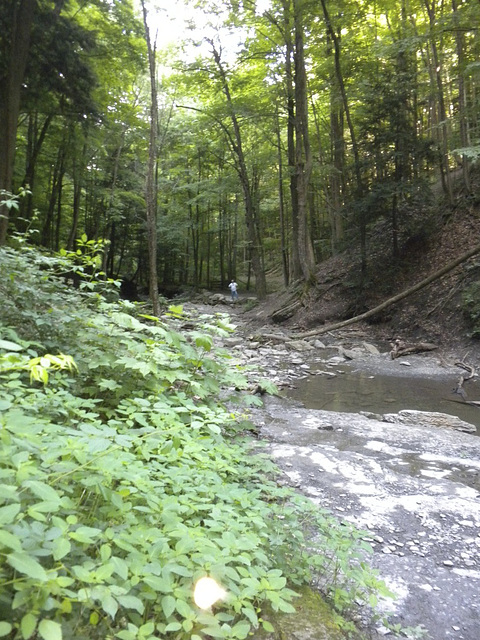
{"x":126,"y":635}
{"x":61,"y":547}
{"x":204,"y":342}
{"x":8,"y":513}
{"x":120,"y":567}
{"x":286,"y":607}
{"x":7,"y":539}
{"x":183,"y":608}
{"x":110,"y":605}
{"x":131,"y":602}
{"x":5,"y":629}
{"x":42,"y":490}
{"x":147,"y":629}
{"x":28,"y":625}
{"x":277,"y":582}
{"x":85,"y":534}
{"x":268,"y":626}
{"x":241,"y":630}
{"x":50,"y":630}
{"x":168,"y":605}
{"x":215,"y":632}
{"x":10,"y":346}
{"x":158,"y":584}
{"x":173,"y":626}
{"x":26,"y":564}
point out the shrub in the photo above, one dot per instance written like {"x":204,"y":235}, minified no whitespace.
{"x":122,"y":481}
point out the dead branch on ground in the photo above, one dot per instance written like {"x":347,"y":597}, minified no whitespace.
{"x":401,"y":348}
{"x":400,"y":296}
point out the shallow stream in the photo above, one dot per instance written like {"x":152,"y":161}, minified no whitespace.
{"x":351,"y":391}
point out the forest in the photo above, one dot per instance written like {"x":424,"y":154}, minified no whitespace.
{"x":264,"y":140}
{"x":268,"y":140}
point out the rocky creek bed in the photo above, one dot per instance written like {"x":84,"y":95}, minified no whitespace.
{"x":410,"y":480}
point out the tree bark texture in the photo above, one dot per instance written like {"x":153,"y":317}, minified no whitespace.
{"x":150,"y":190}
{"x":15,"y":45}
{"x":303,"y":154}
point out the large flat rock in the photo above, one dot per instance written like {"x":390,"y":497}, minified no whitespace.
{"x":414,"y":487}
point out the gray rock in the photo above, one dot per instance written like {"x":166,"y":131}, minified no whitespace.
{"x":217,"y":298}
{"x":429,"y":419}
{"x":371,"y":349}
{"x":299,"y":345}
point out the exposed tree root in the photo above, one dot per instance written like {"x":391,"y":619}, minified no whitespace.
{"x":468,"y":375}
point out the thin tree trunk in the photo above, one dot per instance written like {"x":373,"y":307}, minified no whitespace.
{"x":356,"y":154}
{"x":462,"y":98}
{"x":296,"y":269}
{"x":77,"y":193}
{"x":442,"y":112}
{"x":241,"y":166}
{"x":47,"y":236}
{"x":150,"y":195}
{"x":11,"y":79}
{"x":303,"y":154}
{"x":281,"y":204}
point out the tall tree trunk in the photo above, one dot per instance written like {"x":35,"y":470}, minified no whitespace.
{"x":241,"y":167}
{"x":436,"y":71}
{"x":281,"y":204}
{"x":35,"y":142}
{"x":303,"y":154}
{"x":47,"y":236}
{"x":109,"y":252}
{"x":11,"y":79}
{"x":462,"y":98}
{"x":78,"y":165}
{"x":150,"y":195}
{"x":356,"y":155}
{"x":296,"y":270}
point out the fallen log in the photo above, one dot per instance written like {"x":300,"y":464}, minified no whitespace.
{"x":468,"y":375}
{"x":400,"y":348}
{"x":400,"y":296}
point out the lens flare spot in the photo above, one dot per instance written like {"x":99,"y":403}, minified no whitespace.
{"x":207,"y":592}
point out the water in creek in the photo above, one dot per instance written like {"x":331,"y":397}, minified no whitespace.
{"x":353,"y":391}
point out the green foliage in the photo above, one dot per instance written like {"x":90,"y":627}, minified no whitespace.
{"x":10,"y":200}
{"x":471,"y":307}
{"x":85,"y":264}
{"x":121,"y":483}
{"x":472,"y":153}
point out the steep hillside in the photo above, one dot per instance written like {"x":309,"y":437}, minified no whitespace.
{"x":437,"y":313}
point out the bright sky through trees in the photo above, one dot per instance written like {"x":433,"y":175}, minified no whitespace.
{"x":173,"y":21}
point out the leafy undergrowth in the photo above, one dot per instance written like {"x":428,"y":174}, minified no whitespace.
{"x":123,"y":479}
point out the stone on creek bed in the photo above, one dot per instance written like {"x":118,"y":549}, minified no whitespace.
{"x":429,"y":419}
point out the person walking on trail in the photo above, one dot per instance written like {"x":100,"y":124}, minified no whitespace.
{"x":233,"y":290}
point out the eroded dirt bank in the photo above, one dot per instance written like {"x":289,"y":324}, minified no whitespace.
{"x":413,"y":488}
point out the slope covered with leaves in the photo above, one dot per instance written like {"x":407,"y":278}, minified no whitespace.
{"x":446,"y":312}
{"x":124,"y":479}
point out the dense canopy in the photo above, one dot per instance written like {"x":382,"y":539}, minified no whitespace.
{"x":284,"y":131}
